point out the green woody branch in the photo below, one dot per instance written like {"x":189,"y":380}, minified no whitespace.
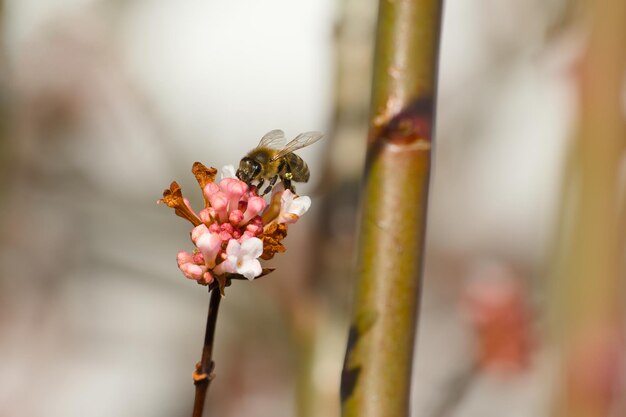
{"x":377,"y":369}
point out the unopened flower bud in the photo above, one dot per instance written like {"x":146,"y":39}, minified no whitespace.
{"x":235,"y":217}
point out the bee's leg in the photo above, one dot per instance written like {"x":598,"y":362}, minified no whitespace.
{"x":272,"y":182}
{"x":287,"y":182}
{"x":259,"y":185}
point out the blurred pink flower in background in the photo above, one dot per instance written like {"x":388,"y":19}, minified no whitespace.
{"x":495,"y":305}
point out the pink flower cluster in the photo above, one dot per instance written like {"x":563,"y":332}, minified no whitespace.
{"x":235,"y":227}
{"x":232,"y":216}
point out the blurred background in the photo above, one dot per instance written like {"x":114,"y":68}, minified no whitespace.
{"x":105,"y":102}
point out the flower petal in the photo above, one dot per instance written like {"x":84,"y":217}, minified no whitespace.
{"x":286,"y":198}
{"x":252,"y":248}
{"x":250,"y":268}
{"x":228,"y":171}
{"x":233,"y":249}
{"x":255,"y":206}
{"x":234,"y":190}
{"x":227,"y":266}
{"x":208,"y":190}
{"x":292,"y":207}
{"x":183,"y":257}
{"x":197,"y":232}
{"x":219,"y":201}
{"x":210,"y":245}
{"x":190,"y":269}
{"x":297,"y":205}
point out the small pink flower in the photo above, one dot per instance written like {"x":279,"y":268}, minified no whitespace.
{"x":292,"y":207}
{"x":235,"y":217}
{"x":198,"y":258}
{"x":234,"y":190}
{"x":198,"y":231}
{"x":219,"y":201}
{"x":210,"y":189}
{"x":205,"y":216}
{"x":254,"y":229}
{"x":227,"y":231}
{"x":189,"y":267}
{"x":209,"y":245}
{"x":256,"y":205}
{"x":247,"y":235}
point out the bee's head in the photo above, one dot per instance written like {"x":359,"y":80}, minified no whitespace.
{"x":248,"y":170}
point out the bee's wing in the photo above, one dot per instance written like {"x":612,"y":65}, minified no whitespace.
{"x":274,"y":139}
{"x":300,"y":141}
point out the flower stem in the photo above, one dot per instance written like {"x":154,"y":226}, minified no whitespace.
{"x":204,"y":370}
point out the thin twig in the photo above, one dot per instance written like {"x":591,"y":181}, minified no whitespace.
{"x":203,"y":374}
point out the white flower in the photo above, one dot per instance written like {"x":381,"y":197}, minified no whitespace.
{"x":242,"y":258}
{"x":228,"y":171}
{"x":292,"y":207}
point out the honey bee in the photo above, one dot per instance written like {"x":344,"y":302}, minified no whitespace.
{"x":272,"y":159}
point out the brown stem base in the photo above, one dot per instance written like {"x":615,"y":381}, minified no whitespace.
{"x":203,"y":375}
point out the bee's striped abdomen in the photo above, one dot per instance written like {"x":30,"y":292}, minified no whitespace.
{"x":297,"y":167}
